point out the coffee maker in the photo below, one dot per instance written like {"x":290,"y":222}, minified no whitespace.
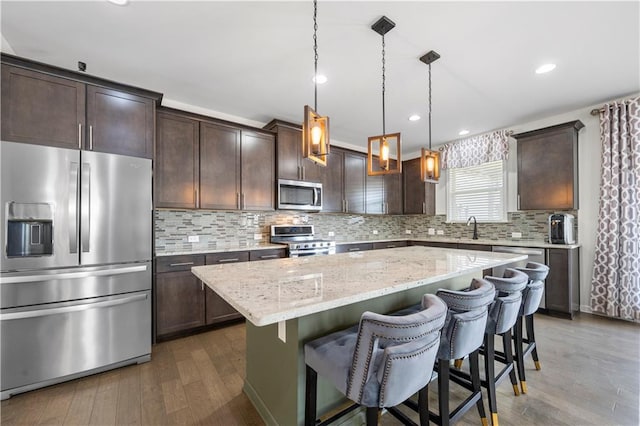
{"x":561,"y":228}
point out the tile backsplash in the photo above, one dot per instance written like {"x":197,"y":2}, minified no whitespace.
{"x":219,"y":229}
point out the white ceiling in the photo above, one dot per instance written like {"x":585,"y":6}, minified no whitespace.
{"x":255,"y":59}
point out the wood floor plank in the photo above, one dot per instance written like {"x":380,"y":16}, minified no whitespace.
{"x":174,"y":396}
{"x":129,"y":409}
{"x":106,"y":400}
{"x":79,"y":412}
{"x":153,"y":409}
{"x":59,"y":401}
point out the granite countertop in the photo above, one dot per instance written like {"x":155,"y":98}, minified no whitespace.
{"x":277,"y":290}
{"x":512,"y":243}
{"x":225,"y":249}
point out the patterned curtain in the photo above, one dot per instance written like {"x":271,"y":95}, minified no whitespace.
{"x":615,"y":287}
{"x":476,"y":150}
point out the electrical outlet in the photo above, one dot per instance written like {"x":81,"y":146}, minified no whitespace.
{"x":431,"y":231}
{"x":407,"y":231}
{"x":440,"y":232}
{"x":257,"y":237}
{"x":375,"y":232}
{"x":194,"y":238}
{"x":516,"y":235}
{"x":332,"y":234}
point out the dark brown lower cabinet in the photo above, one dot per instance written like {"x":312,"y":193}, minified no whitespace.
{"x":562,"y":286}
{"x":216,"y":309}
{"x":434,"y":244}
{"x":346,"y":248}
{"x":179,"y":302}
{"x":388,"y":244}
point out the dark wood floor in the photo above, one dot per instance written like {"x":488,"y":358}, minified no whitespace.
{"x":590,"y":376}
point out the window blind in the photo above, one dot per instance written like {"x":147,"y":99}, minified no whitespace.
{"x":478,"y":191}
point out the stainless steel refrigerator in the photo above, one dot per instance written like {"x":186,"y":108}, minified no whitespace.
{"x":75,"y":279}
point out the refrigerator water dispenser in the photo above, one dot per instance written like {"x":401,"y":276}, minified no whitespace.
{"x":29,"y":229}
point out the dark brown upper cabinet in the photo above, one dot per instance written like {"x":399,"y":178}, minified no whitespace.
{"x":384,"y":192}
{"x":42,"y":109}
{"x":333,"y":182}
{"x":47,"y":105}
{"x":419,"y":197}
{"x":355,"y":182}
{"x":177,"y":170}
{"x":548,"y":167}
{"x":203,"y":163}
{"x":289,"y":161}
{"x":119,"y":122}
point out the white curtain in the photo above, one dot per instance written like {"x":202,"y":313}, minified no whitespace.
{"x":476,"y":150}
{"x":615,"y":290}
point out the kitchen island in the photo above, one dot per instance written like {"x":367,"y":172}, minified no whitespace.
{"x":290,"y":301}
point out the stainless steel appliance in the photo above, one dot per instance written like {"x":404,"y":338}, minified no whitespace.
{"x":535,"y":255}
{"x":75,"y":280}
{"x":299,"y":195}
{"x":561,"y":228}
{"x":301,"y":241}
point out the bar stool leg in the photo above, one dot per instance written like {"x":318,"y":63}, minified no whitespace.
{"x":508,"y":355}
{"x":443,"y":391}
{"x":532,"y":340}
{"x":423,"y":405}
{"x":520,"y":354}
{"x":311,"y":387}
{"x":373,"y":414}
{"x":489,"y":368}
{"x":474,"y":367}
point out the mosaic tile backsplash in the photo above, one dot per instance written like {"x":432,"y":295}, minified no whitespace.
{"x":219,"y":229}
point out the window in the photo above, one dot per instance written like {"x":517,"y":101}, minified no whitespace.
{"x":479,"y":191}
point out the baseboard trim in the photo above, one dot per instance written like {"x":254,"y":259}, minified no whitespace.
{"x":259,"y":404}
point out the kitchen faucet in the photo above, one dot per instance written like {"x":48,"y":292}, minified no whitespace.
{"x":475,"y":226}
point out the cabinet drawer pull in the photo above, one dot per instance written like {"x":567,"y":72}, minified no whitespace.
{"x":391,"y":246}
{"x":235,"y":259}
{"x":354,"y":249}
{"x":181,"y":264}
{"x":269,"y":256}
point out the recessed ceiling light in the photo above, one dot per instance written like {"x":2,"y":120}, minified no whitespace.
{"x":119,"y":2}
{"x":545,"y":68}
{"x":320,"y":79}
{"x":463,"y":132}
{"x":414,"y":117}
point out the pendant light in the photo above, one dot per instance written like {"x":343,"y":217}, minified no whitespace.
{"x":381,"y":146}
{"x":315,"y":130}
{"x":429,"y":159}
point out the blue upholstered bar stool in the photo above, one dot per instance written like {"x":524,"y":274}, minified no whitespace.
{"x":531,"y":297}
{"x":503,"y":314}
{"x":462,"y":335}
{"x":380,"y":363}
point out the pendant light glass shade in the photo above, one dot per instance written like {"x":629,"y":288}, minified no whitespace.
{"x":315,"y":128}
{"x":384,"y":148}
{"x":384,"y":157}
{"x":430,"y":166}
{"x":315,"y":136}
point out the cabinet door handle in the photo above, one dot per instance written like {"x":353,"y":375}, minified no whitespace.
{"x":202,"y":285}
{"x":302,"y":167}
{"x":237,"y":200}
{"x":90,"y":138}
{"x":235,"y":259}
{"x":424,"y":208}
{"x":269,"y":256}
{"x":346,"y":206}
{"x":79,"y":135}
{"x":518,"y":201}
{"x":244,"y":204}
{"x":181,"y":264}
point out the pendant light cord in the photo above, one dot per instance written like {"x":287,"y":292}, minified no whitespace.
{"x":315,"y":52}
{"x":384,"y":131}
{"x":429,"y":106}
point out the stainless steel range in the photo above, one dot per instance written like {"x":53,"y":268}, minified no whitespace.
{"x":301,"y":240}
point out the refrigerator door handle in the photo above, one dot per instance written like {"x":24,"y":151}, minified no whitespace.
{"x":74,"y":308}
{"x":72,"y":275}
{"x":73,"y":208}
{"x":85,"y":200}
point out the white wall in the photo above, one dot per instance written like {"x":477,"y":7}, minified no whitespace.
{"x":588,"y":180}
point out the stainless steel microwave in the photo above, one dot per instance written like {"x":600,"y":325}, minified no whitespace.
{"x":299,"y":195}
